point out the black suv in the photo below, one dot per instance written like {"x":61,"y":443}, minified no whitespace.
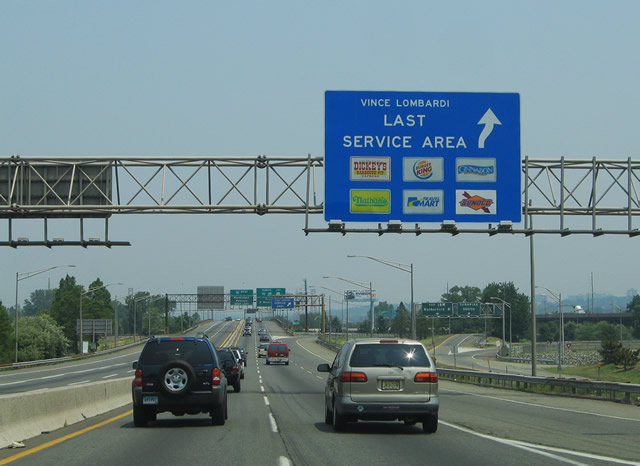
{"x":181,"y":375}
{"x":231,"y":367}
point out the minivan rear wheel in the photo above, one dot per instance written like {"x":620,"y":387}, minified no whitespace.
{"x":430,"y":424}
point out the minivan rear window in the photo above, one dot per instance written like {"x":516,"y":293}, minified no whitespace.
{"x":372,"y":355}
{"x":277,"y":348}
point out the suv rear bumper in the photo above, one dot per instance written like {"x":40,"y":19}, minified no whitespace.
{"x":386,"y":411}
{"x":191,"y":402}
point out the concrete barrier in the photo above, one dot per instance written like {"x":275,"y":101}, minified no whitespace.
{"x":26,"y":415}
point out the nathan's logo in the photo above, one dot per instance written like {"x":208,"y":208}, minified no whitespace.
{"x":476,"y":170}
{"x":376,"y":201}
{"x":423,"y":169}
{"x":476,"y":202}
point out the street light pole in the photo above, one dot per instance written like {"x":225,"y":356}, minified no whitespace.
{"x":24,"y":276}
{"x":503,"y":325}
{"x":558,"y":299}
{"x":90,"y":290}
{"x":408,"y":268}
{"x":364,"y":285}
{"x":341,"y":293}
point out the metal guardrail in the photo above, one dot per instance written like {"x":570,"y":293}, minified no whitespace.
{"x":573,"y":387}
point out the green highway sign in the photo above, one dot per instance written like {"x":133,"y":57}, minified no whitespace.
{"x":437,"y":309}
{"x":468,"y":309}
{"x":264,"y":295}
{"x":241,"y":297}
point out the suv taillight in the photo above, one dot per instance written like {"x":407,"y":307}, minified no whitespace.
{"x":138,"y":380}
{"x":426,"y":377}
{"x":353,"y":377}
{"x":235,"y":368}
{"x":215,"y":376}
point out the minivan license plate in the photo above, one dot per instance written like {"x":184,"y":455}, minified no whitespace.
{"x":391,"y":385}
{"x":150,"y":400}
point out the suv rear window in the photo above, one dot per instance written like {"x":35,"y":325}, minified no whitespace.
{"x":191,"y":351}
{"x":383,"y":354}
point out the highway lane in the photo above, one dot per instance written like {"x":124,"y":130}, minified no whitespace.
{"x":278,"y":418}
{"x":91,"y":369}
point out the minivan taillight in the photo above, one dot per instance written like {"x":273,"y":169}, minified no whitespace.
{"x":215,"y":376}
{"x":138,"y":380}
{"x":426,"y":377}
{"x":353,"y":377}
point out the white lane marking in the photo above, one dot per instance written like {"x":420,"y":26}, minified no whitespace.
{"x":537,"y":448}
{"x":284,"y":461}
{"x":132,"y":370}
{"x":309,"y":372}
{"x":274,"y":426}
{"x":319,"y":377}
{"x":78,"y":383}
{"x":109,"y":376}
{"x":261,"y":388}
{"x":62,"y":374}
{"x":52,"y":369}
{"x":38,"y":390}
{"x":536,"y":405}
{"x":266,"y":401}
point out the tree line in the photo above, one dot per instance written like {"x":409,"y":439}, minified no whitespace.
{"x":47,"y":320}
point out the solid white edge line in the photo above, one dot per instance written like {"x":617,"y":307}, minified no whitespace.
{"x":536,"y":405}
{"x":537,"y":448}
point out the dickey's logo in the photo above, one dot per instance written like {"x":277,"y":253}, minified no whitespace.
{"x":480,"y":202}
{"x":371,"y":201}
{"x":423,"y":169}
{"x":370,"y":168}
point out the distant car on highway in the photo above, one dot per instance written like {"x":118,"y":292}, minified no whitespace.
{"x":278,"y":352}
{"x":262,"y":350}
{"x":264,"y":337}
{"x":232,"y":367}
{"x":382,"y":380}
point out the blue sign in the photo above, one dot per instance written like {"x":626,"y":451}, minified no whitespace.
{"x":282,"y":303}
{"x":422,"y":156}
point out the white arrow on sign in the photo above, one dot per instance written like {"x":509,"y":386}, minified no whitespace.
{"x":489,"y":119}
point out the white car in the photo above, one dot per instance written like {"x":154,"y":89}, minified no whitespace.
{"x":262,"y":350}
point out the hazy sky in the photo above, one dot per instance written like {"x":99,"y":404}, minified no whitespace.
{"x":149,"y":78}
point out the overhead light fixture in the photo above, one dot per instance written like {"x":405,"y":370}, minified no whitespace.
{"x":448,"y":225}
{"x":505,"y":225}
{"x":336,"y":225}
{"x":394,"y":225}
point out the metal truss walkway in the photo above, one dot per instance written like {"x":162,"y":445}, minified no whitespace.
{"x":566,"y":196}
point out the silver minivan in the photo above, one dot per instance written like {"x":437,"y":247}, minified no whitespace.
{"x":382,"y":380}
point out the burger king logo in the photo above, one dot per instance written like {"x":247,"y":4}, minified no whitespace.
{"x":423,"y":169}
